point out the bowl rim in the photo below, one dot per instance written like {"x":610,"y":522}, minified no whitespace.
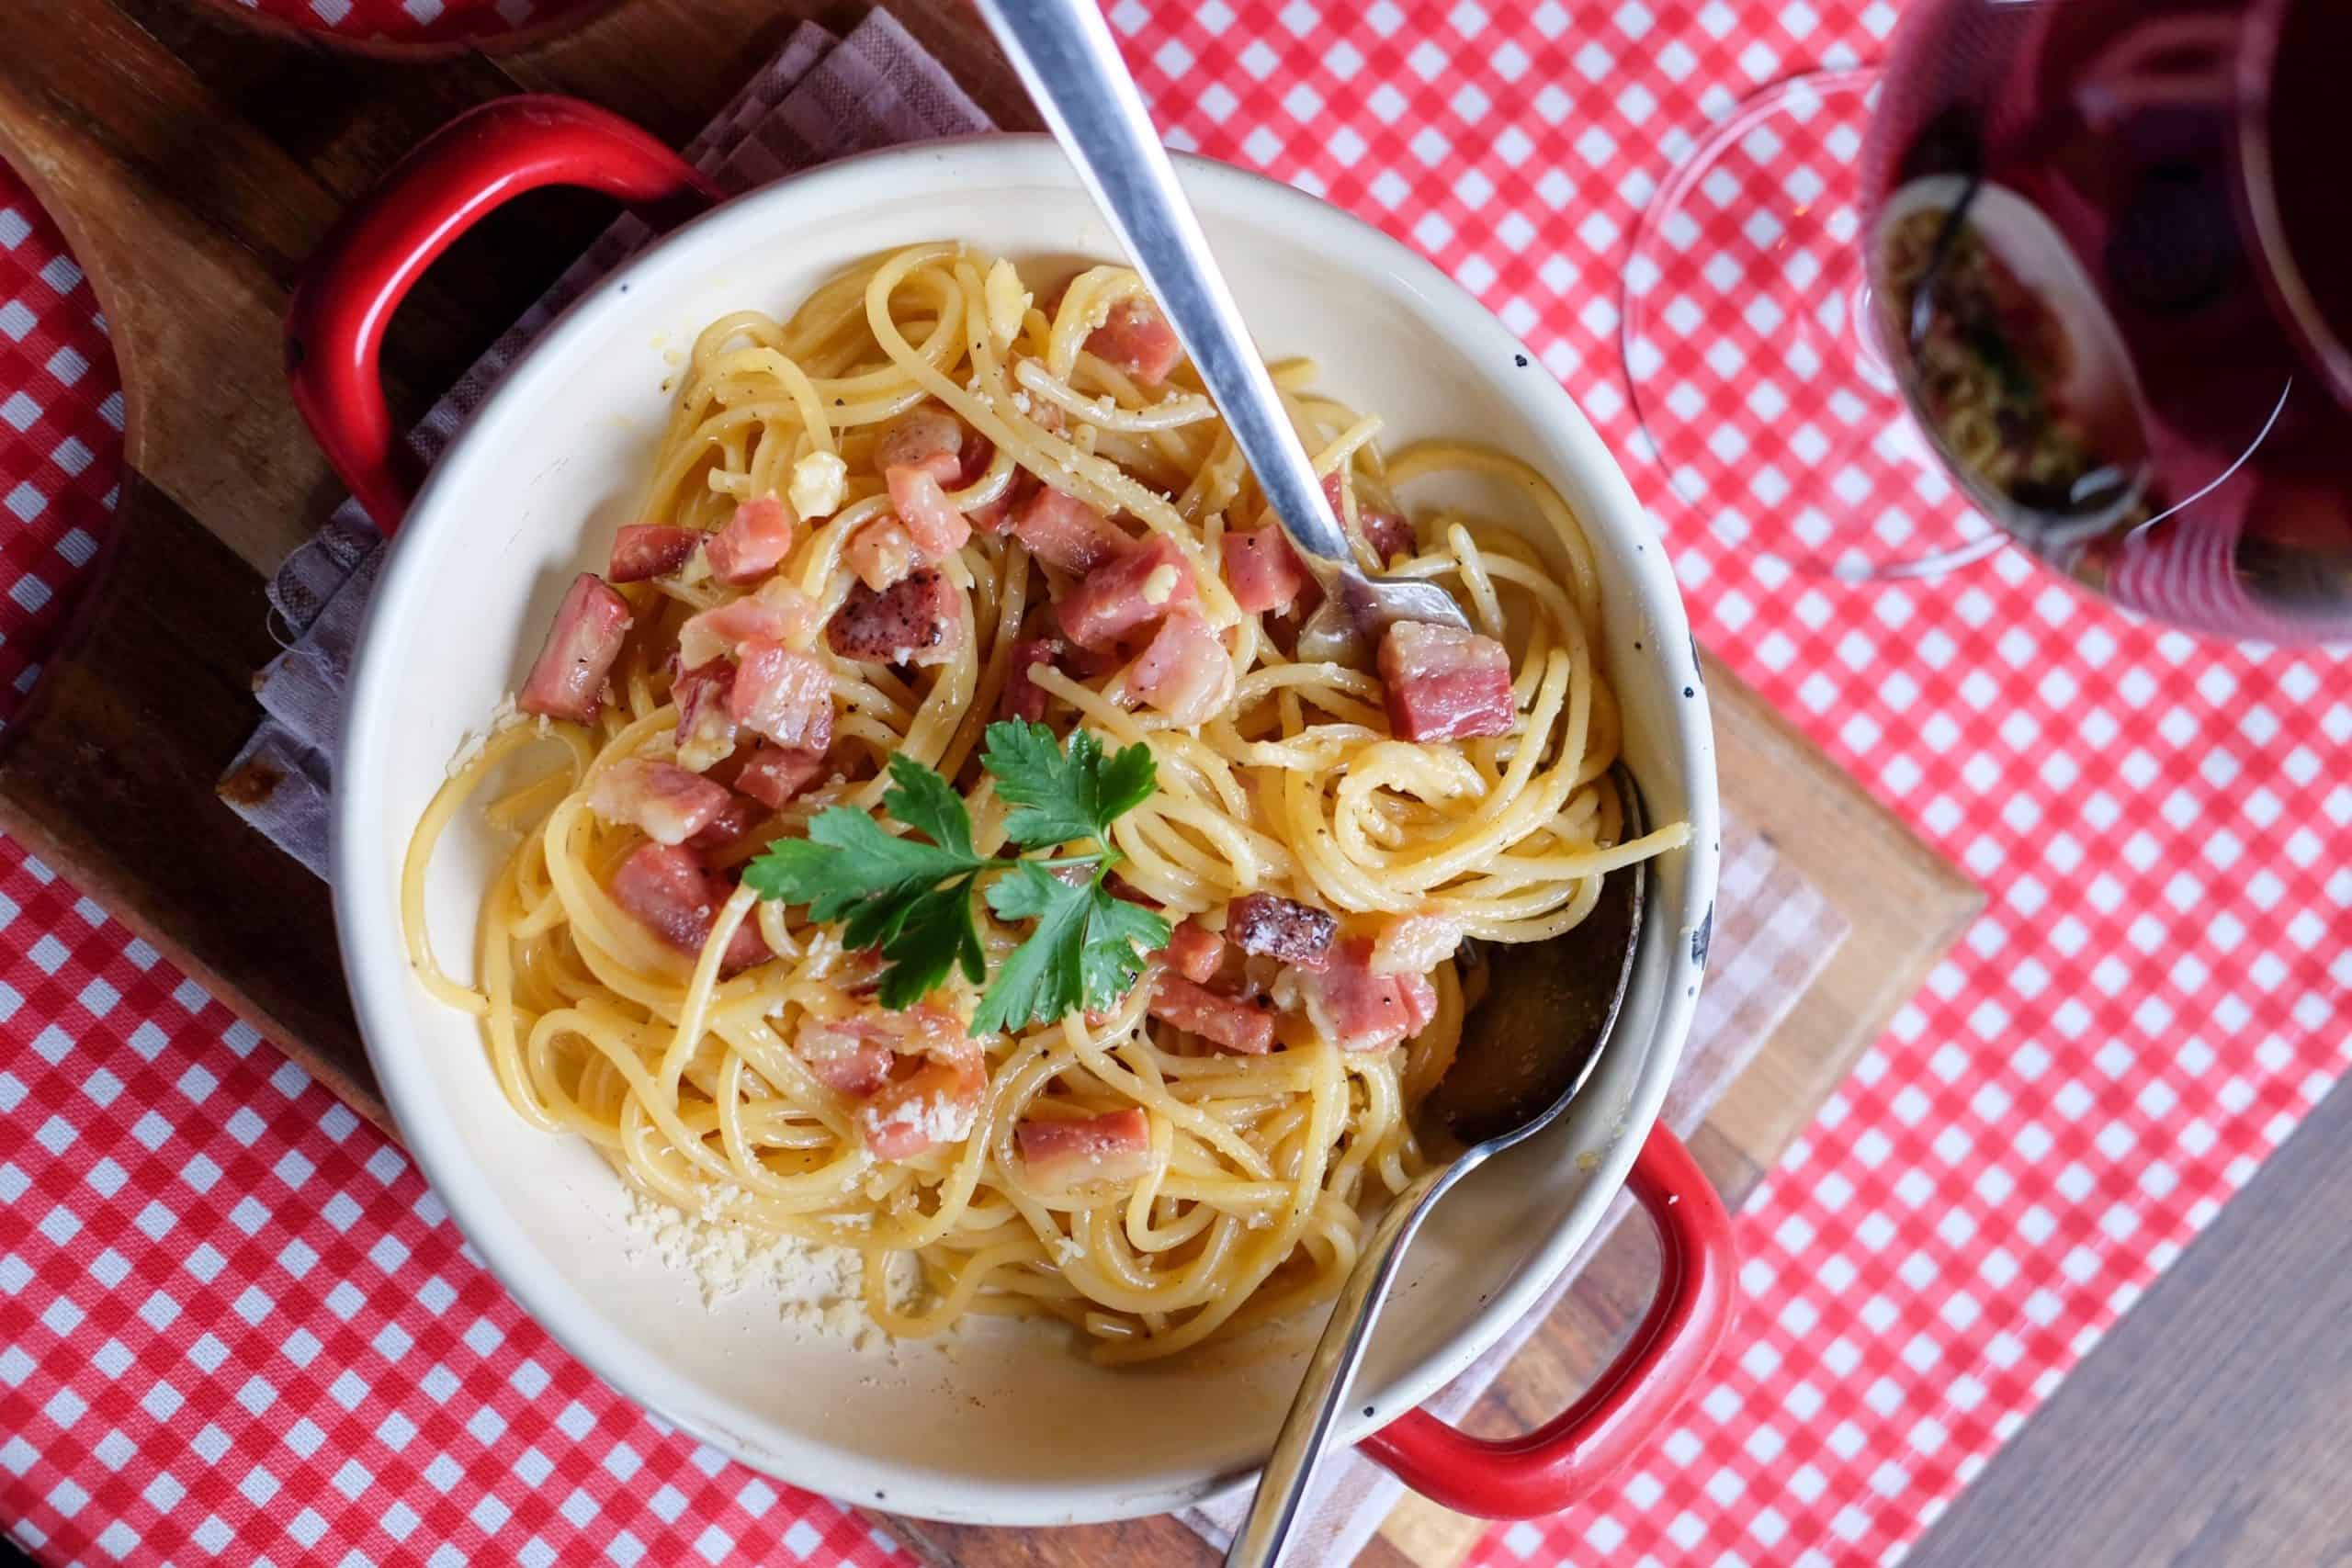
{"x":366,"y":900}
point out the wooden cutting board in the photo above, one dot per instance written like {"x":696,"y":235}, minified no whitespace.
{"x":194,"y":164}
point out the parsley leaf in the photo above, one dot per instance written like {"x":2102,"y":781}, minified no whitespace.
{"x":1044,"y":976}
{"x":928,"y":803}
{"x":1061,"y":795}
{"x":847,"y":860}
{"x":933,"y":935}
{"x":1118,"y":935}
{"x":911,"y":901}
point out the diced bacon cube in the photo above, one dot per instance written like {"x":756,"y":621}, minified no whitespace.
{"x":930,"y":519}
{"x":646,"y":549}
{"x":927,"y":438}
{"x":1275,"y":927}
{"x":935,"y":1104}
{"x":1194,"y":951}
{"x":1359,"y":1010}
{"x":784,"y":694}
{"x":1065,"y":531}
{"x":773,"y":774}
{"x":725,"y":830}
{"x":1414,"y":945}
{"x":1113,"y":1149}
{"x":1137,"y":339}
{"x":566,"y":679}
{"x":706,"y":729}
{"x":1443,"y":684}
{"x":1263,"y":569}
{"x":778,"y":613}
{"x":1183,"y":672}
{"x":917,"y":620}
{"x":1390,"y":533}
{"x":996,"y":516}
{"x":1247,"y":1027}
{"x":1022,"y":698}
{"x":881,"y":553}
{"x":752,"y":543}
{"x":1133,"y":590}
{"x":844,"y":1060}
{"x":663,"y":799}
{"x":668,"y":890}
{"x":972,"y":459}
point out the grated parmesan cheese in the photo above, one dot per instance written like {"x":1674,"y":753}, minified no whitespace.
{"x":469,"y":748}
{"x":818,"y":1291}
{"x":1159,"y":585}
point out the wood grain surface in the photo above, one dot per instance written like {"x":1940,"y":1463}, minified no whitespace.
{"x":193,"y":165}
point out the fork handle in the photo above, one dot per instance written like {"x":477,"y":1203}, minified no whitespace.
{"x":1068,"y":60}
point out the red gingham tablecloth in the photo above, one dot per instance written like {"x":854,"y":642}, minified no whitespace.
{"x":234,"y":1323}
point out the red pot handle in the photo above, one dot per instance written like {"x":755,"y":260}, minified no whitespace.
{"x":475,"y":164}
{"x":1562,"y":1461}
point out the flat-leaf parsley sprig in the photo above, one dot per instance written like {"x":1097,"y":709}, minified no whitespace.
{"x":912,"y":901}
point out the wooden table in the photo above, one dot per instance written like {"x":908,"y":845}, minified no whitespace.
{"x":194,"y":166}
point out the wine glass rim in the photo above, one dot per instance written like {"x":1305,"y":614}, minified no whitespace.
{"x":2282,"y":277}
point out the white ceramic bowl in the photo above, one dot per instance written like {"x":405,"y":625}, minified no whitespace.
{"x":1007,"y":1424}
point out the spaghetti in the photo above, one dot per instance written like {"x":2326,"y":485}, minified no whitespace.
{"x":722,"y":1053}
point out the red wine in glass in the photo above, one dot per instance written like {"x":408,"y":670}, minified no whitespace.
{"x":2090,"y":261}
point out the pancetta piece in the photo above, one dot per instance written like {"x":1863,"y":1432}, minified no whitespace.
{"x":1137,"y":339}
{"x":752,"y":543}
{"x":1065,"y":531}
{"x":784,"y":694}
{"x":881,"y":553}
{"x":663,"y":799}
{"x":1194,"y":951}
{"x":650,"y":549}
{"x":1183,"y":672}
{"x":1261,"y":569}
{"x":668,"y":889}
{"x":1443,"y":683}
{"x":936,"y":1103}
{"x":1022,"y":698}
{"x":1267,"y":924}
{"x":778,"y":613}
{"x":1113,"y":1149}
{"x":1247,"y":1027}
{"x":773,"y":774}
{"x":706,"y":729}
{"x":1390,"y":533}
{"x":1129,"y":592}
{"x":916,"y":620}
{"x":566,"y":679}
{"x":1359,"y":1010}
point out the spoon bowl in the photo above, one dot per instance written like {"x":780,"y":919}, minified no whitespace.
{"x":1526,"y":1049}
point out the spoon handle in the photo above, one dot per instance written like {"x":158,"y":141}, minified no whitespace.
{"x":1066,"y":58}
{"x":1306,"y":1430}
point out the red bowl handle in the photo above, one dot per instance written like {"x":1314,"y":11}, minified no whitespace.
{"x":1562,"y":1461}
{"x":475,"y":164}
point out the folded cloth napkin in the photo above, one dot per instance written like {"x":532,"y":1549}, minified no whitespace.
{"x":820,"y":99}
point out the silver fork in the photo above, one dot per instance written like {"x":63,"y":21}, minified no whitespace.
{"x":1065,"y":57}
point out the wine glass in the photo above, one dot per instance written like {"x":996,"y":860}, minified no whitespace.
{"x":2090,"y":261}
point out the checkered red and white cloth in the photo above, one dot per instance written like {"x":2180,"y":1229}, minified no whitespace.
{"x":234,"y":1324}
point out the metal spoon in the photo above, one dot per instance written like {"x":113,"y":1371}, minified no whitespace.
{"x":1065,"y":55}
{"x":1526,"y":1050}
